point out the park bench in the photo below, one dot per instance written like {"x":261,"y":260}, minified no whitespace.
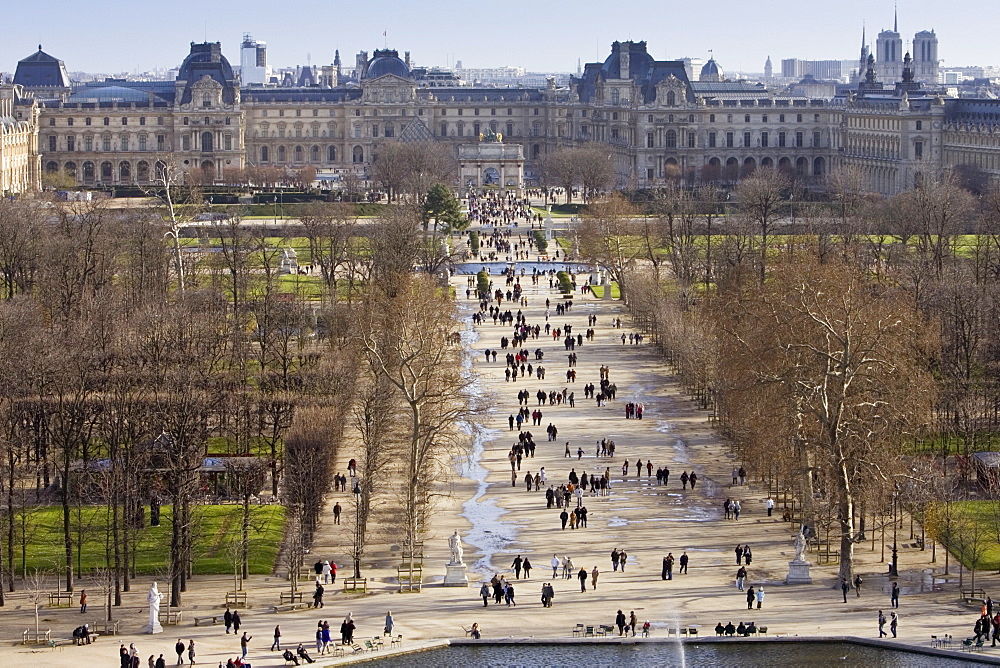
{"x":355,"y":584}
{"x":290,"y":597}
{"x":970,"y":595}
{"x":214,"y":619}
{"x":170,"y":617}
{"x":291,"y":607}
{"x":60,"y":599}
{"x":40,"y":637}
{"x":106,"y":627}
{"x":236,"y":598}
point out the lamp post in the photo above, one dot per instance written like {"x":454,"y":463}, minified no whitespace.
{"x":356,"y":490}
{"x":894,"y":564}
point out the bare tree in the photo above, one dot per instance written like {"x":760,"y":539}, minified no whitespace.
{"x":761,"y":195}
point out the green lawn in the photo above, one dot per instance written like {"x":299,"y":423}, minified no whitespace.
{"x":216,"y":527}
{"x":598,"y":291}
{"x":986,"y":516}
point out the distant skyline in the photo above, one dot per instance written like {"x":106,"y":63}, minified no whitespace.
{"x":115,"y":36}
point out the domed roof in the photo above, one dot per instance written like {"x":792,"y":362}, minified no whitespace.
{"x":108,"y":94}
{"x":205,"y":58}
{"x":711,"y":71}
{"x":386,"y":61}
{"x":639,"y":61}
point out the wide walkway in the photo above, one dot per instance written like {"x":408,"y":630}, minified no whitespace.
{"x":645,"y":519}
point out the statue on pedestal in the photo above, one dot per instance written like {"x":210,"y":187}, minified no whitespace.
{"x":455,"y":543}
{"x":800,"y":547}
{"x":153,"y":598}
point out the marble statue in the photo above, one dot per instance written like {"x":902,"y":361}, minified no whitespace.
{"x":153,"y":598}
{"x":800,"y":547}
{"x":455,"y":543}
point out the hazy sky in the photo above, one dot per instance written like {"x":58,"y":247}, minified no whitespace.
{"x":119,"y":35}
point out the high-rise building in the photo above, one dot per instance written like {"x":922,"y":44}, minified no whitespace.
{"x":253,"y":61}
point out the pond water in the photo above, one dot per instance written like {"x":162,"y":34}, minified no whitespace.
{"x":668,"y":654}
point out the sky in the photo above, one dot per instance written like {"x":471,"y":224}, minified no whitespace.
{"x":113,"y":36}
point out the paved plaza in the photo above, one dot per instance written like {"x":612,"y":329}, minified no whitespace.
{"x":645,"y":519}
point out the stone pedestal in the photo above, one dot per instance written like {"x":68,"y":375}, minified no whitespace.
{"x":154,"y":626}
{"x":798,"y":572}
{"x":456,"y":576}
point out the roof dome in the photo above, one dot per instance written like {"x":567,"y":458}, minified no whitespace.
{"x":638,"y":64}
{"x":386,"y":61}
{"x":711,"y":71}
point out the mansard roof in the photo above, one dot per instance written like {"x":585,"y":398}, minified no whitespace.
{"x":40,"y":70}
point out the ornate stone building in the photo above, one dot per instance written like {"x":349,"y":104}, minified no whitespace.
{"x":19,"y":162}
{"x":656,"y":122}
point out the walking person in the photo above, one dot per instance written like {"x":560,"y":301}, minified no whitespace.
{"x":845,"y":587}
{"x":276,"y":645}
{"x":760,"y":596}
{"x":620,"y":622}
{"x":83,"y":601}
{"x":857,"y":585}
{"x":741,"y":576}
{"x":582,"y":575}
{"x":881,"y":624}
{"x":683,"y":563}
{"x":389,"y":623}
{"x":191,"y":652}
{"x":517,"y":567}
{"x":894,"y":596}
{"x":484,"y":591}
{"x":237,"y":621}
{"x":555,"y":565}
{"x":228,"y":619}
{"x":893,"y":622}
{"x":179,"y":648}
{"x":244,"y":642}
{"x":751,"y":597}
{"x":593,"y":578}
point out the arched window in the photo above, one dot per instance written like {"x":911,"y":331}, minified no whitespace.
{"x":51,"y":166}
{"x":88,"y":172}
{"x":298,"y":154}
{"x":615,"y":96}
{"x":70,"y":168}
{"x":331,"y":154}
{"x":314,"y":154}
{"x":206,"y":142}
{"x":671,"y":98}
{"x":107,"y":171}
{"x":142,"y":171}
{"x":358,"y":154}
{"x":281,"y":154}
{"x":265,"y":154}
{"x":124,"y":172}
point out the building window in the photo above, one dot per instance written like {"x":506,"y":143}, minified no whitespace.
{"x":817,"y":138}
{"x":357,"y":130}
{"x":86,"y":121}
{"x":265,"y":155}
{"x":671,"y":139}
{"x":124,"y":142}
{"x":746,"y":119}
{"x":186,"y":121}
{"x":124,"y":120}
{"x":88,"y":144}
{"x":461,"y":129}
{"x":711,"y":118}
{"x":52,"y":121}
{"x":298,"y":154}
{"x":475,"y":112}
{"x":298,"y":112}
{"x":730,"y":140}
{"x":186,"y":143}
{"x":615,"y":96}
{"x":52,"y":143}
{"x":142,"y":120}
{"x":671,"y":99}
{"x":781,"y":118}
{"x":918,"y":150}
{"x":690,"y":136}
{"x":444,"y":129}
{"x":107,"y":121}
{"x":798,"y":140}
{"x":106,"y":143}
{"x":314,"y":154}
{"x":228,"y":142}
{"x":331,"y":154}
{"x":763,"y":118}
{"x":71,"y":143}
{"x":69,"y":122}
{"x":536,"y":112}
{"x":798,"y":118}
{"x":160,"y":141}
{"x":159,"y":120}
{"x":229,"y":120}
{"x":650,"y":143}
{"x":281,"y":154}
{"x":711,"y":140}
{"x":920,"y":125}
{"x":374,"y":129}
{"x":208,"y":121}
{"x":460,"y":112}
{"x":359,"y":155}
{"x":510,"y":129}
{"x":142,"y":142}
{"x":207,"y":144}
{"x":493,"y":112}
{"x":763,"y":139}
{"x":206,"y":101}
{"x":475,"y":129}
{"x":781,"y":139}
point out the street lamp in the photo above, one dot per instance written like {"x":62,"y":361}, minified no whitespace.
{"x":894,"y":564}
{"x":356,"y":490}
